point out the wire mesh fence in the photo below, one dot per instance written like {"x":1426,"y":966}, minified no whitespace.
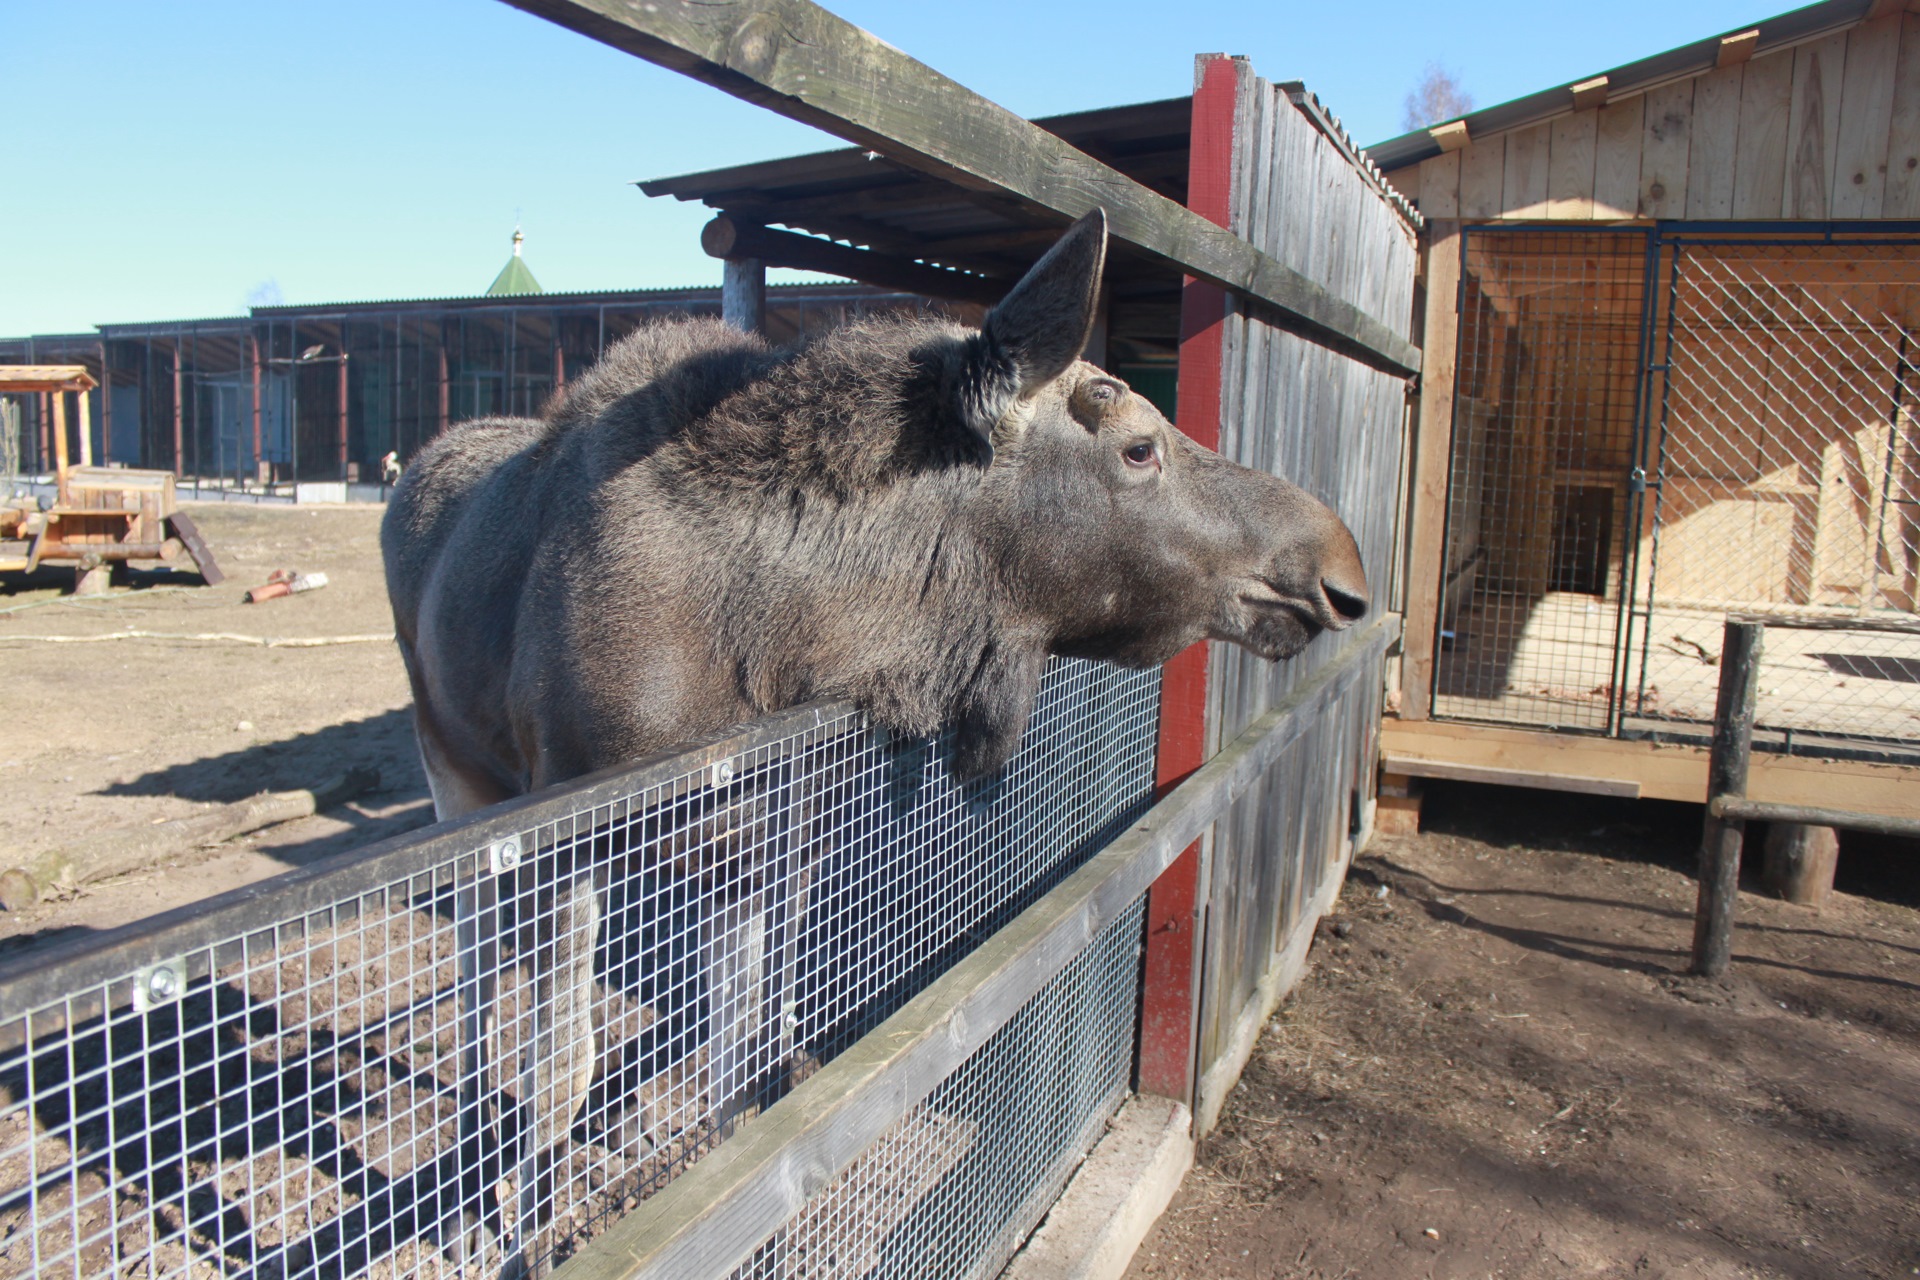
{"x":1783,"y":478}
{"x":1543,"y":437}
{"x":955,"y":1186}
{"x":1657,"y":428}
{"x":470,"y":1054}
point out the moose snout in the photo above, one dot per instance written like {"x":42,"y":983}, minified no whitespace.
{"x":1342,"y":579}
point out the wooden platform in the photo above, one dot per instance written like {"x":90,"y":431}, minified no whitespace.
{"x":1656,"y":771}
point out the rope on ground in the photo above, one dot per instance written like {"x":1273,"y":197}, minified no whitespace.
{"x":227,"y":637}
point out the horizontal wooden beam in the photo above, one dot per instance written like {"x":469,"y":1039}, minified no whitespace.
{"x":797,"y":59}
{"x":1662,"y":770}
{"x":1739,"y":810}
{"x":1416,"y":767}
{"x":734,"y":238}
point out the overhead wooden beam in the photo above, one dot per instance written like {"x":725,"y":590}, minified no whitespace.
{"x":734,"y":238}
{"x":797,"y":59}
{"x":1591,"y":94}
{"x":1737,"y":48}
{"x":1450,"y":136}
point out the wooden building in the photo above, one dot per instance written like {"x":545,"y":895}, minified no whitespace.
{"x":1669,"y":322}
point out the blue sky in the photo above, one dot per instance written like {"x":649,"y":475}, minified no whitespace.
{"x":168,"y":161}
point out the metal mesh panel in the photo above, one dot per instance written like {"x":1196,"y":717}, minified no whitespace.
{"x":485,"y":1059}
{"x":1784,"y":477}
{"x":957,"y":1184}
{"x":1543,"y":432}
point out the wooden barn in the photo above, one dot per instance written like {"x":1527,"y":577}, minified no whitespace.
{"x":1669,"y":325}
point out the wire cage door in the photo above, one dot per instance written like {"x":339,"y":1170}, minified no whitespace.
{"x":1780,"y":476}
{"x":1552,"y":330}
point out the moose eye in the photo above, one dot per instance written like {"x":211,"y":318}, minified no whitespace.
{"x":1139,"y":455}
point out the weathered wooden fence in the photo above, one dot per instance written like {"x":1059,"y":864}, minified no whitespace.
{"x":1271,"y":165}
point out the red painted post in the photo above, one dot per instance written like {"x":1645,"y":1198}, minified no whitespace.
{"x":1170,"y":999}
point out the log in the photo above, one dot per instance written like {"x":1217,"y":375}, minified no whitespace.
{"x":112,"y":853}
{"x":1800,"y":862}
{"x":1726,"y":776}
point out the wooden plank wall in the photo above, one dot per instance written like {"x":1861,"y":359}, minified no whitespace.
{"x":1827,"y":129}
{"x":1333,"y":426}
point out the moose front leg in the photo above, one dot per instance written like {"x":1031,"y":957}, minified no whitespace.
{"x":557,"y":1058}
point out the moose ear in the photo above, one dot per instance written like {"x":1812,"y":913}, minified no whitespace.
{"x":1038,"y":330}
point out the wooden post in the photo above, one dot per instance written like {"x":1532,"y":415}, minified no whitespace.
{"x":1799,"y":862}
{"x":60,"y":444}
{"x":1432,"y":466}
{"x":743,"y":294}
{"x":86,"y":426}
{"x":1170,"y":997}
{"x":1726,"y":776}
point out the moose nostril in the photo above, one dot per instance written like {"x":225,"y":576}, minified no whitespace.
{"x":1348,"y":604}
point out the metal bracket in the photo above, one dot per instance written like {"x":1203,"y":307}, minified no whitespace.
{"x":720,"y":773}
{"x":159,"y":984}
{"x":503,"y":855}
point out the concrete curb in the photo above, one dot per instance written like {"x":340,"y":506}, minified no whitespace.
{"x":1114,"y":1199}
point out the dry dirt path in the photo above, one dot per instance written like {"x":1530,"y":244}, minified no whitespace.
{"x":122,"y":732}
{"x":1495,"y":1068}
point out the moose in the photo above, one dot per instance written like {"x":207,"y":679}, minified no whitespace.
{"x":905,"y":513}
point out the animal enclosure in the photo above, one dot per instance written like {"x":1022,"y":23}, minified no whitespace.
{"x":1654,"y":429}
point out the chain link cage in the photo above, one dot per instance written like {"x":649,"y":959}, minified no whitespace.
{"x":1783,"y":479}
{"x":467,"y":1053}
{"x":1655,"y":429}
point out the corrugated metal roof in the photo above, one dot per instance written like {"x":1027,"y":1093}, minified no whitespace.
{"x":865,"y":198}
{"x":1795,"y":27}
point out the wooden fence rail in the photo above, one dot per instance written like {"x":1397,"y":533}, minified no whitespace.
{"x":797,"y":59}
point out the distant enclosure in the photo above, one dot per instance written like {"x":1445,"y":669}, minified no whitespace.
{"x":215,"y":399}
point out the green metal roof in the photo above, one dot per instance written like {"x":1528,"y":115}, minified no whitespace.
{"x":514,"y":278}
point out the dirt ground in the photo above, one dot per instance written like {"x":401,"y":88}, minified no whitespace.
{"x":1495,"y":1067}
{"x":116,"y":733}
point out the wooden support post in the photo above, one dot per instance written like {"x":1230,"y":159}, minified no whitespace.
{"x":1726,"y":776}
{"x":1397,"y":805}
{"x":1800,"y":862}
{"x":1432,"y":467}
{"x":743,"y":294}
{"x":60,"y":444}
{"x":84,"y":413}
